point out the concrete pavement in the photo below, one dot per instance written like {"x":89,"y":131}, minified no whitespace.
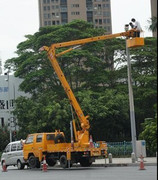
{"x":148,"y":161}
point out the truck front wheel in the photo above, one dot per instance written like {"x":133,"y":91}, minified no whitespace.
{"x":32,"y":161}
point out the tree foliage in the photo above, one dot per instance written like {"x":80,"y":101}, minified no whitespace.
{"x":149,"y":133}
{"x":153,"y":24}
{"x":4,"y":138}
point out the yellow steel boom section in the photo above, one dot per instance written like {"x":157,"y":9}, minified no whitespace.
{"x":52,"y":57}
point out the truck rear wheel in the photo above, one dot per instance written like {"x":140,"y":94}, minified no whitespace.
{"x":63,"y":161}
{"x":50,"y":160}
{"x":85,"y":162}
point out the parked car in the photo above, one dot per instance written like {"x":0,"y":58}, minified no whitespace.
{"x":13,"y":155}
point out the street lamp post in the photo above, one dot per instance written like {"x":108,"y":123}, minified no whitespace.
{"x":10,"y":128}
{"x":131,"y":101}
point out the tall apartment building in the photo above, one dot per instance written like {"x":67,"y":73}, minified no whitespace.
{"x":154,"y":12}
{"x":58,"y":12}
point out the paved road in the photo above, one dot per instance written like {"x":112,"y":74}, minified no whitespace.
{"x":78,"y":173}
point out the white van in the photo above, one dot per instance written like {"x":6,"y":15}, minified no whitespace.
{"x":13,"y":155}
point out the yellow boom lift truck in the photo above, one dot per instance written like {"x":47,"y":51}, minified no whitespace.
{"x":81,"y":149}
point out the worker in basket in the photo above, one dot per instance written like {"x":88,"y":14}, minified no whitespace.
{"x":136,"y":26}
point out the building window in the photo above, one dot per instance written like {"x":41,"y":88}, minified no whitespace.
{"x":54,"y":1}
{"x":107,"y":28}
{"x":75,"y":5}
{"x":106,"y":14}
{"x":96,"y":21}
{"x":2,"y":122}
{"x":63,"y":2}
{"x":75,"y":13}
{"x":49,"y":16}
{"x":49,"y":23}
{"x":90,"y":16}
{"x":99,"y":6}
{"x":100,"y":21}
{"x":45,"y":16}
{"x":106,"y":6}
{"x":106,"y":21}
{"x":99,"y":13}
{"x":63,"y":8}
{"x":64,"y":18}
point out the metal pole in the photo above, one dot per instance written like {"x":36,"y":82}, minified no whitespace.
{"x":10,"y":130}
{"x":131,"y":102}
{"x":71,"y":128}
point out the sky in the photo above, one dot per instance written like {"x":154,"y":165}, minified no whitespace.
{"x":21,"y":17}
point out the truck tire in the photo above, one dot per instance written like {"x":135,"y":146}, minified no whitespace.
{"x":32,"y":162}
{"x":50,"y":160}
{"x":38,"y":163}
{"x":59,"y":139}
{"x":85,"y":162}
{"x":63,"y":161}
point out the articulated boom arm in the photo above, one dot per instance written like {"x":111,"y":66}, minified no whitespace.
{"x":52,"y":57}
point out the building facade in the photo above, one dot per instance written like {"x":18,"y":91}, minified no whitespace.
{"x":154,"y":12}
{"x":59,"y":12}
{"x":9,"y":91}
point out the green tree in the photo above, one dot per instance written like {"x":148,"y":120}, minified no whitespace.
{"x":153,"y":24}
{"x":45,"y":114}
{"x":108,"y":113}
{"x":149,"y":134}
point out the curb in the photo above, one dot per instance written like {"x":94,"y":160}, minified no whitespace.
{"x":122,"y":164}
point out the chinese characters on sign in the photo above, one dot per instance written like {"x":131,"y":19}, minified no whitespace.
{"x":4,"y":104}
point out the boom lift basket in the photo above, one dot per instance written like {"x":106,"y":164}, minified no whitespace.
{"x":135,"y":42}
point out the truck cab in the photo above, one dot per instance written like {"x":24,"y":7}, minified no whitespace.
{"x":36,"y":145}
